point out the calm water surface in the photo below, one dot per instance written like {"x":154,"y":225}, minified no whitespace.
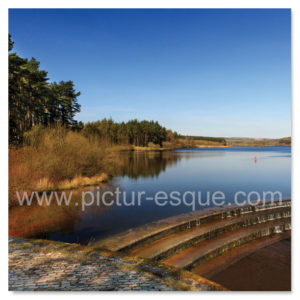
{"x":215,"y":169}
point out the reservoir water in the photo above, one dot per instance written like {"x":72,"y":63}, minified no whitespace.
{"x":200,"y":171}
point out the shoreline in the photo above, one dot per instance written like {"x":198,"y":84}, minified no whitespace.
{"x":77,"y":182}
{"x":140,"y":149}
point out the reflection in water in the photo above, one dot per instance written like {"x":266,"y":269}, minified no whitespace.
{"x":40,"y":221}
{"x":146,"y":164}
{"x":227,"y":170}
{"x":49,"y":221}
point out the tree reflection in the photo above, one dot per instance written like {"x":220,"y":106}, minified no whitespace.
{"x":146,"y":164}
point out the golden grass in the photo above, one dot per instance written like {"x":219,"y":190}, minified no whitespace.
{"x":56,"y":158}
{"x":80,"y":181}
{"x":118,"y":148}
{"x":140,"y":148}
{"x":44,"y":184}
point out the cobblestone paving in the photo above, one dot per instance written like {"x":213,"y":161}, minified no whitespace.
{"x":33,"y":266}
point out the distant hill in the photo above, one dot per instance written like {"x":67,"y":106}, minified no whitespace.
{"x":286,"y":141}
{"x":202,"y":141}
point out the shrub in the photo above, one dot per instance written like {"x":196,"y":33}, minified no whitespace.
{"x":153,"y":146}
{"x":51,"y":157}
{"x":168,"y":145}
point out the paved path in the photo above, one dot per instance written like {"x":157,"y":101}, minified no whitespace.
{"x":43,"y":265}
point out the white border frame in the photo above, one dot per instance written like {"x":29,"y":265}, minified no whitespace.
{"x":150,"y":4}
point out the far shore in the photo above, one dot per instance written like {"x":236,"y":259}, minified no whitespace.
{"x":45,"y":184}
{"x":139,"y":148}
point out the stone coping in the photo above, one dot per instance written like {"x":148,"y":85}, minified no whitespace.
{"x":190,"y":256}
{"x":136,"y":235}
{"x":173,"y":241}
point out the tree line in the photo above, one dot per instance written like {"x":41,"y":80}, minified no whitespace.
{"x":33,"y":100}
{"x":208,"y":138}
{"x":134,"y":132}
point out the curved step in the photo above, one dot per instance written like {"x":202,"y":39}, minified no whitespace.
{"x":167,"y":245}
{"x":203,"y":251}
{"x":136,"y":237}
{"x":221,"y":262}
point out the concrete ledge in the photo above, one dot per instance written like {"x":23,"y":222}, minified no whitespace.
{"x":170,"y":244}
{"x":135,"y":237}
{"x":220,"y":263}
{"x":204,"y":251}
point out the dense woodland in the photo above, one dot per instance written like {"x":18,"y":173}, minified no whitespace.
{"x":208,"y":139}
{"x":134,"y":132}
{"x":35,"y":101}
{"x":49,"y":149}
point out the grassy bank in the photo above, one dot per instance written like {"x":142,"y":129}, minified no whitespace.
{"x":58,"y":158}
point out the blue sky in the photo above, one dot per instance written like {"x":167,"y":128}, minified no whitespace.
{"x":199,"y":72}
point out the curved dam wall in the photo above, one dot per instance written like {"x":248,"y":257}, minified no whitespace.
{"x":224,"y":219}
